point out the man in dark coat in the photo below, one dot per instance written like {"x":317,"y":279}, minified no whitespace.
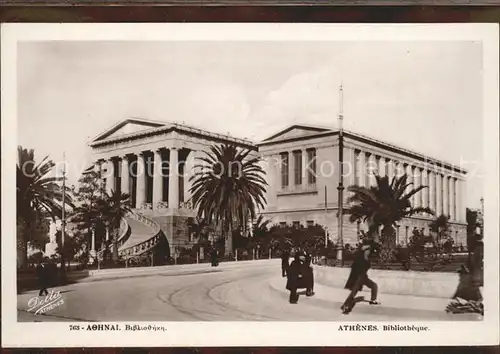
{"x":215,"y":261}
{"x":43,"y":274}
{"x":294,"y":272}
{"x":309,"y":274}
{"x":285,"y":259}
{"x":359,"y":275}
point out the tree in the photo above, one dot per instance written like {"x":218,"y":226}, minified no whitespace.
{"x":440,"y":228}
{"x":260,"y":227}
{"x":472,"y":218}
{"x":38,"y":196}
{"x":88,"y":215}
{"x":227,"y":188}
{"x":384,"y":205}
{"x":114,"y":207}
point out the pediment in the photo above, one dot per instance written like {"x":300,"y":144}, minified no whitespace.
{"x":296,"y":131}
{"x":128,"y":126}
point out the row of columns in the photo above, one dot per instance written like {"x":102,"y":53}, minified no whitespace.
{"x":141,"y":186}
{"x":445,"y":193}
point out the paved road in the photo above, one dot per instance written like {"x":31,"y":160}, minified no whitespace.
{"x":244,"y":291}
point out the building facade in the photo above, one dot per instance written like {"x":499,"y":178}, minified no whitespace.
{"x":301,"y":163}
{"x":302,"y":168}
{"x":139,"y":157}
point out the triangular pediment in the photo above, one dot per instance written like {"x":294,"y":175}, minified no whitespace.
{"x":296,"y":131}
{"x":127,"y":127}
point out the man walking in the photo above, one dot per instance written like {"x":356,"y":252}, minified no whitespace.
{"x":42,"y":271}
{"x":359,"y":275}
{"x":285,"y":259}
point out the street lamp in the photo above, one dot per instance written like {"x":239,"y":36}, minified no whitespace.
{"x":63,"y":220}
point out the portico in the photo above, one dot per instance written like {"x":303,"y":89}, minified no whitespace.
{"x":153,"y":162}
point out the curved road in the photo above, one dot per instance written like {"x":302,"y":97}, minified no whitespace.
{"x":243,"y":291}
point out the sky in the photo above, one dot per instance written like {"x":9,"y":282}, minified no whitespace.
{"x":423,"y":96}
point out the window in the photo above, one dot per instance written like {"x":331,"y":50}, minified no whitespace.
{"x":296,"y":224}
{"x":297,"y":159}
{"x":283,"y":224}
{"x":310,"y":223}
{"x":284,"y":169}
{"x":311,"y":166}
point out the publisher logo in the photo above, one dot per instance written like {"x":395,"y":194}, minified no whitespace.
{"x":41,"y":304}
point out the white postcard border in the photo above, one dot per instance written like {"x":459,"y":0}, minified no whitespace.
{"x":251,"y":333}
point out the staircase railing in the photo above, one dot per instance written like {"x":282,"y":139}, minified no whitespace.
{"x":124,"y":232}
{"x":147,"y":244}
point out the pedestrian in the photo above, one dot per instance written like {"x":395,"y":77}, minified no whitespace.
{"x":359,"y":275}
{"x":214,"y":256}
{"x":293,"y":274}
{"x":309,"y":274}
{"x":285,"y":260}
{"x":43,"y":274}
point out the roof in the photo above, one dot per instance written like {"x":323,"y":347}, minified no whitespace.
{"x":307,"y":131}
{"x":144,"y":127}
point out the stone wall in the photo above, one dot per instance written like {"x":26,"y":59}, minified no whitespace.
{"x":175,"y":229}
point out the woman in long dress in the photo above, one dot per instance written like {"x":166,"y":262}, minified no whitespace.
{"x":359,"y":276}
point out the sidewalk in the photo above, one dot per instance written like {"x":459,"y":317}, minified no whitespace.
{"x":169,"y":270}
{"x":416,"y":308}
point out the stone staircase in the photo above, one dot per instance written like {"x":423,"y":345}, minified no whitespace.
{"x":144,"y":235}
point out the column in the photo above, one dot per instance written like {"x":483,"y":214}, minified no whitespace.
{"x":391,"y":169}
{"x":110,"y":176}
{"x":446,"y":196}
{"x":400,"y":169}
{"x":417,"y":197}
{"x":452,"y":198}
{"x":381,"y":166}
{"x":157,"y":178}
{"x":462,"y":194}
{"x":361,"y":169}
{"x":349,"y":167}
{"x":141,"y":181}
{"x":173,"y":181}
{"x":371,"y":170}
{"x":439,"y":194}
{"x":125,"y":174}
{"x":408,"y":171}
{"x":431,"y":177}
{"x":188,"y":173}
{"x":425,"y":191}
{"x":92,"y":249}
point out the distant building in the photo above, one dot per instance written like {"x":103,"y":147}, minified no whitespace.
{"x":302,"y":165}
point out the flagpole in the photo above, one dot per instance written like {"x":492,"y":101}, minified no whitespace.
{"x":326,"y":217}
{"x":341,"y":179}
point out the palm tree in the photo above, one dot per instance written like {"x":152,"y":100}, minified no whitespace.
{"x":114,"y":207}
{"x":261,"y":227}
{"x":227,"y":188}
{"x":38,"y":195}
{"x":384,"y":205}
{"x":440,"y":227}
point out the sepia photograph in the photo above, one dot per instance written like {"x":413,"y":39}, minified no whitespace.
{"x":341,"y":180}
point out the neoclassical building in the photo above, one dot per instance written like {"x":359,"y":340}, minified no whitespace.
{"x":138,"y":156}
{"x":301,"y":163}
{"x":302,"y":170}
